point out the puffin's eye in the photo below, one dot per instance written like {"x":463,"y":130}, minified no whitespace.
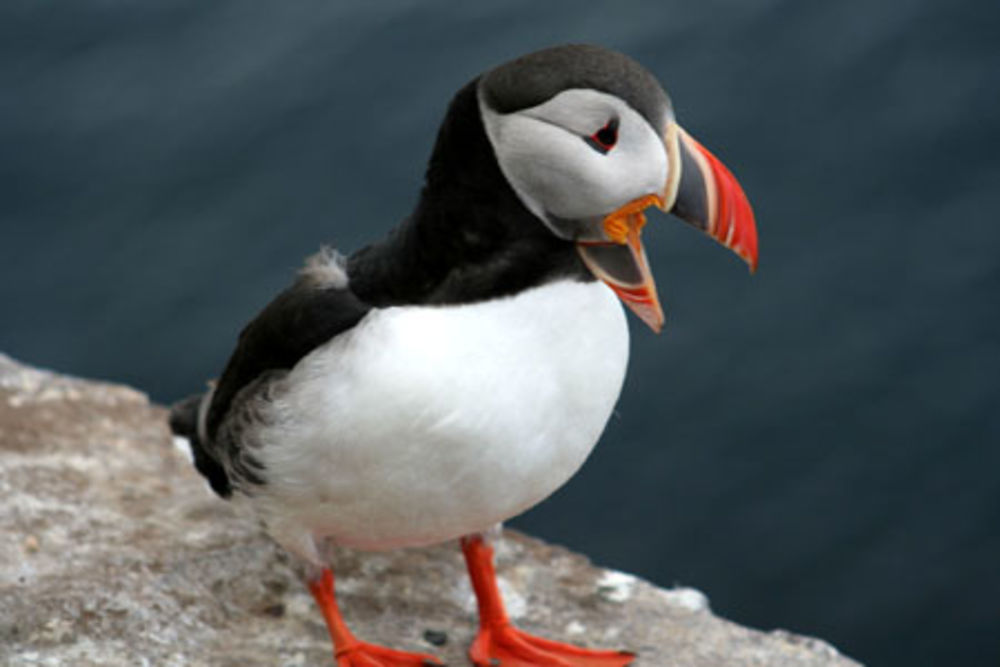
{"x":605,"y":138}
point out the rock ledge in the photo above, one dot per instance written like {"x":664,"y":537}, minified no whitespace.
{"x":115,"y":553}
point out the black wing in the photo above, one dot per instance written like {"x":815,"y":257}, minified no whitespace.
{"x":299,"y":320}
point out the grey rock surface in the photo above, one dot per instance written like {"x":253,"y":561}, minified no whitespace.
{"x":115,"y":553}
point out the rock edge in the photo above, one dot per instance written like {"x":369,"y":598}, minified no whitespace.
{"x":116,"y":553}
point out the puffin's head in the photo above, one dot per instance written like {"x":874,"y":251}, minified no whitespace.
{"x":587,"y":139}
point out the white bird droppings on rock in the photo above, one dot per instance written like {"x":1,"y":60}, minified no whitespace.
{"x":687,"y":598}
{"x":516,"y":604}
{"x":616,"y":586}
{"x":183,"y":445}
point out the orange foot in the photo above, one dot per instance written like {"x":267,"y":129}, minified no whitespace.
{"x":362,"y":654}
{"x":500,"y":644}
{"x":347,"y":650}
{"x":507,"y":646}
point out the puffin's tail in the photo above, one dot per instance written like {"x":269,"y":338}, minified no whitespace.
{"x":184,"y":418}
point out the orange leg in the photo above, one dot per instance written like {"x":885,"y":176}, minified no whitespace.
{"x":348,"y":651}
{"x":500,"y":643}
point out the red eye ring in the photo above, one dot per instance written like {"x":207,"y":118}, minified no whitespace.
{"x":605,"y":138}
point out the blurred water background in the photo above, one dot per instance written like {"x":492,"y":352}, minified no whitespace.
{"x":816,"y":447}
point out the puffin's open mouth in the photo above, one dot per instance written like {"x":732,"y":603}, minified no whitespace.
{"x":701,"y":191}
{"x":622,"y":263}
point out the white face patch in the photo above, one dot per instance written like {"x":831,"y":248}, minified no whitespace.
{"x":543,"y":153}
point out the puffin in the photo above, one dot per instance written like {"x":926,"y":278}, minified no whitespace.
{"x":453,"y":374}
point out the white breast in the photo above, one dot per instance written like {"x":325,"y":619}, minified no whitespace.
{"x":426,"y":423}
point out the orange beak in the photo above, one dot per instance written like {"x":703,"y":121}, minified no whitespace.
{"x":699,"y":190}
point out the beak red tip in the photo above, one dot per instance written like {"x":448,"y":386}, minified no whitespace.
{"x":734,"y":225}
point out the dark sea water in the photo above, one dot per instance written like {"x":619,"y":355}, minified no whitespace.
{"x":817,"y":447}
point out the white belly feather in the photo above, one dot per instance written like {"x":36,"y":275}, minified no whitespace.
{"x":426,"y":423}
